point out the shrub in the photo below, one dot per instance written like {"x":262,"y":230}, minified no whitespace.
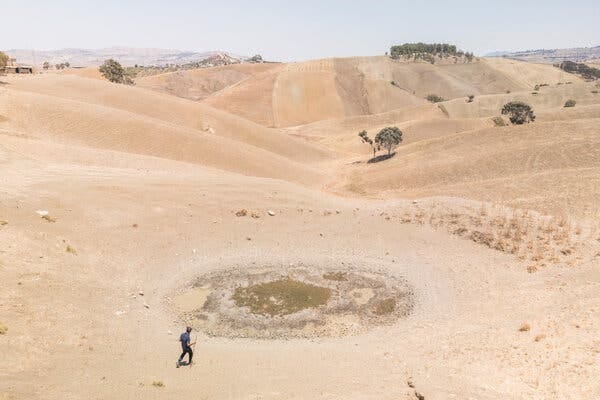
{"x":519,"y":113}
{"x":570,"y":103}
{"x":434,"y":98}
{"x":594,"y":91}
{"x":499,"y":121}
{"x":388,"y":138}
{"x":46,"y":65}
{"x":470,"y":98}
{"x":114,"y":72}
{"x":364,"y":136}
{"x":3,"y":60}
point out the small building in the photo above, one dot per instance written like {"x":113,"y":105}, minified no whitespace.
{"x":13,"y":67}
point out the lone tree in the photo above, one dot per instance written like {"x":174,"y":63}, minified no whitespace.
{"x":46,"y":65}
{"x":366,"y":139}
{"x":256,"y":58}
{"x":388,"y":138}
{"x":519,"y":113}
{"x":114,"y":72}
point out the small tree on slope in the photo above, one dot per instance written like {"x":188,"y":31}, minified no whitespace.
{"x":519,"y":113}
{"x":366,"y":139}
{"x":114,"y":72}
{"x":388,"y":138}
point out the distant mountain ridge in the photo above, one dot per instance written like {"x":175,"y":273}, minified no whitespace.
{"x":577,"y":54}
{"x":127,"y":56}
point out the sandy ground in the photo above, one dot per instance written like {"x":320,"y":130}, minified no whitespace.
{"x":141,"y":197}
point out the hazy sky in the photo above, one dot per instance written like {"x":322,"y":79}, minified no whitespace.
{"x":298,"y":30}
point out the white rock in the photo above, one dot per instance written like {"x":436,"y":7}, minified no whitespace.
{"x":42,"y":213}
{"x":119,"y":312}
{"x":271,"y":213}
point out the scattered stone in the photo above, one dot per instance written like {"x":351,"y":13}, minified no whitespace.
{"x":415,"y":202}
{"x":410,"y":383}
{"x":320,"y":234}
{"x":2,"y":222}
{"x":419,"y":396}
{"x":42,"y":213}
{"x":271,"y":213}
{"x":119,"y":312}
{"x":248,"y":238}
{"x":141,"y":292}
{"x":146,"y":305}
{"x":241,"y":213}
{"x":169,"y":333}
{"x":338,"y":212}
{"x":255,"y":215}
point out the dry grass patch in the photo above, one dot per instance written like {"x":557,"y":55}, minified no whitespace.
{"x":71,"y":250}
{"x":539,"y":239}
{"x":281,"y":297}
{"x":3,"y":329}
{"x":158,"y":384}
{"x":385,"y":307}
{"x":336,"y":276}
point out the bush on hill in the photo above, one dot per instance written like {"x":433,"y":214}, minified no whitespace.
{"x":518,"y":112}
{"x":570,"y":103}
{"x":114,"y":72}
{"x":434,"y":98}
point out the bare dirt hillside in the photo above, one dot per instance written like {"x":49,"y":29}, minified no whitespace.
{"x":197,"y":84}
{"x":301,"y":93}
{"x":118,"y":203}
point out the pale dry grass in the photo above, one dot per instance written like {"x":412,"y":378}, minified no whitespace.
{"x":536,"y":239}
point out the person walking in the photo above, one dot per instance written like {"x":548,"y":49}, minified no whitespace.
{"x":186,"y":346}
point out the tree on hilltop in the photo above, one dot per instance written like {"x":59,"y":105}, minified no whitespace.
{"x":114,"y":72}
{"x":519,"y":112}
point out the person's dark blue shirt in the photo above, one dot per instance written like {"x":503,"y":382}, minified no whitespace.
{"x":184,"y":339}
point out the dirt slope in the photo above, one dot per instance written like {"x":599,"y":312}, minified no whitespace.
{"x":301,"y":93}
{"x":197,"y":84}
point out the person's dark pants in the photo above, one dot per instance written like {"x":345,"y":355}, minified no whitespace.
{"x":189,"y":351}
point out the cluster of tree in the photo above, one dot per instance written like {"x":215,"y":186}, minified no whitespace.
{"x":114,"y":72}
{"x":387,"y":138}
{"x":58,"y":66}
{"x":585,"y":71}
{"x":420,"y":50}
{"x":518,"y":112}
